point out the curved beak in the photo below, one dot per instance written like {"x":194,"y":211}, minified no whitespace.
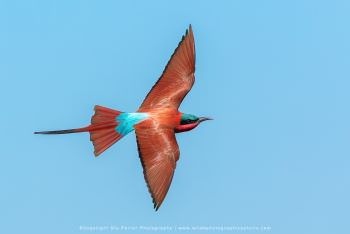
{"x":201,"y":119}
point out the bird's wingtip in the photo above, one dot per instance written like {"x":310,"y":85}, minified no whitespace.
{"x":156,"y":208}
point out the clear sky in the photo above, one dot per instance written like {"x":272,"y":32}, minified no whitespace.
{"x":273,"y":74}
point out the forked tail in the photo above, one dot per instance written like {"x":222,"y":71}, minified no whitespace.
{"x":102,"y":129}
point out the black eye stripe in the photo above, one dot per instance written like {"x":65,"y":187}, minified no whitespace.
{"x":187,"y":121}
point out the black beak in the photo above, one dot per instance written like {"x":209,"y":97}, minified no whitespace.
{"x":201,"y":119}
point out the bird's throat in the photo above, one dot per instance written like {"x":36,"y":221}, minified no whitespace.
{"x":186,"y":127}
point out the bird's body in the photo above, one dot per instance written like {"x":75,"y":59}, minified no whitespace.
{"x":155,"y":122}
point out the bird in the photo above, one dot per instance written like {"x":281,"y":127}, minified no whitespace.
{"x":155,"y":122}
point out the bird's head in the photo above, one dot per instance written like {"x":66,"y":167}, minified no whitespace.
{"x":189,"y":122}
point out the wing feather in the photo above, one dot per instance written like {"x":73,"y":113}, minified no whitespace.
{"x":177,"y":78}
{"x":158,"y":151}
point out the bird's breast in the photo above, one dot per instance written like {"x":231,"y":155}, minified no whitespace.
{"x":161,"y":118}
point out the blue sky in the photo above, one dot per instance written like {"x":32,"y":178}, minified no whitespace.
{"x":273,"y":74}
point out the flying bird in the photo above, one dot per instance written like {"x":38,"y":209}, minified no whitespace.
{"x":155,"y":122}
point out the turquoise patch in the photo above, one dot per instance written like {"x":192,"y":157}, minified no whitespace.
{"x":128,"y":120}
{"x":188,"y":116}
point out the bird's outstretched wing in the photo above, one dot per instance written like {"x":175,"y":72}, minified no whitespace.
{"x":158,"y":152}
{"x":177,"y":78}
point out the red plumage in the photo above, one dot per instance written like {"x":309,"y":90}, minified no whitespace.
{"x":155,"y":134}
{"x":102,"y":129}
{"x":156,"y":140}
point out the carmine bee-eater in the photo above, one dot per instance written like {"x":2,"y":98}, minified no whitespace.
{"x":155,"y":122}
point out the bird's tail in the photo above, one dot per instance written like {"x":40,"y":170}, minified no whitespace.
{"x":102,"y":129}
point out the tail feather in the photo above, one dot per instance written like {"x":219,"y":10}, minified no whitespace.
{"x":75,"y":130}
{"x":101,"y":146}
{"x":102,"y":129}
{"x":104,"y":135}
